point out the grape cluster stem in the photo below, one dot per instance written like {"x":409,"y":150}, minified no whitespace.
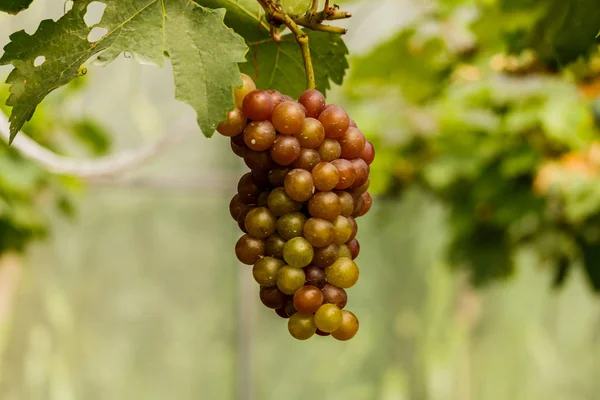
{"x":312,"y":19}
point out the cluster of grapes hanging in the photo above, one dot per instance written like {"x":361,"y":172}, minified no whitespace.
{"x":308,"y":181}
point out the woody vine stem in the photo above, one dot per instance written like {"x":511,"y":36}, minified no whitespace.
{"x":312,"y":19}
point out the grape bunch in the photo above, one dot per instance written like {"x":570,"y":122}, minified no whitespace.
{"x":308,"y":181}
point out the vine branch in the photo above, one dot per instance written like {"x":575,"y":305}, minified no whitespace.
{"x":312,"y":19}
{"x":86,"y":168}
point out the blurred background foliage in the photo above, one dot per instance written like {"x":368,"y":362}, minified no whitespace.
{"x":485,"y":117}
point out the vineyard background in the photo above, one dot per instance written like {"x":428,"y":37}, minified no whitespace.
{"x":140,"y":296}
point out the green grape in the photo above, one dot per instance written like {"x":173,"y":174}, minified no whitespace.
{"x":298,"y":253}
{"x":308,"y":299}
{"x":347,"y":203}
{"x":318,"y":232}
{"x":348,"y":327}
{"x":291,"y":225}
{"x":260,"y":222}
{"x":325,"y":176}
{"x":312,"y":134}
{"x":344,"y":251}
{"x":343,"y":273}
{"x":249,"y":249}
{"x":330,"y":150}
{"x":290,"y":279}
{"x":280,"y":203}
{"x":328,"y":318}
{"x":265,"y":271}
{"x":308,"y":159}
{"x":342,"y":230}
{"x":302,"y":326}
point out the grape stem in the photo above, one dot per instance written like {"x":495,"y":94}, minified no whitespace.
{"x":312,"y":19}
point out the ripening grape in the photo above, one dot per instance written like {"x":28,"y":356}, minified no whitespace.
{"x":308,"y":299}
{"x":288,"y":118}
{"x":313,"y":101}
{"x":290,"y":279}
{"x":328,"y":318}
{"x":348,"y":327}
{"x":240,"y":93}
{"x":299,"y":185}
{"x":343,"y":273}
{"x":308,"y":181}
{"x":234,"y":124}
{"x":258,"y":105}
{"x":302,"y":326}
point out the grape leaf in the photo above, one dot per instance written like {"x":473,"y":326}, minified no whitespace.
{"x":14,"y":6}
{"x":280,"y":66}
{"x":204,"y":51}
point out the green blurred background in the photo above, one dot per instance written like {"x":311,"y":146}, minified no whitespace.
{"x":139,"y":296}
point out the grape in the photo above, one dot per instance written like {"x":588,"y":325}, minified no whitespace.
{"x":344,"y":251}
{"x":361,"y":172}
{"x":277,"y":97}
{"x":258,"y":160}
{"x":334,"y":120}
{"x":368,"y":153}
{"x":282,"y":313}
{"x":237,"y":207}
{"x":261,"y":178}
{"x":298,"y":253}
{"x":343,"y":273}
{"x":241,"y":220}
{"x":353,"y":123}
{"x":277,"y":176}
{"x":346,"y":171}
{"x":342,"y":230}
{"x":313,"y":101}
{"x":308,"y":299}
{"x":318,"y":232}
{"x":325,"y":256}
{"x":330,"y":150}
{"x":325,"y":205}
{"x":354,"y":227}
{"x":274,"y":246}
{"x":328,"y":318}
{"x":234,"y":124}
{"x":280,"y":203}
{"x":347,"y":203}
{"x":308,"y":159}
{"x":361,"y":189}
{"x":291,"y":225}
{"x":259,"y":135}
{"x":260,"y":222}
{"x":348,"y":327}
{"x":334,"y":295}
{"x":248,"y":249}
{"x":258,"y":105}
{"x":352,"y":143}
{"x":315,"y":276}
{"x":240,"y":93}
{"x":354,"y":248}
{"x":290,"y":309}
{"x":312,"y":134}
{"x":238,"y":150}
{"x":285,"y":150}
{"x":298,"y":185}
{"x":325,"y":176}
{"x":248,"y":190}
{"x":288,"y":117}
{"x":263,"y":199}
{"x":365,"y":205}
{"x":321,"y":333}
{"x":290,"y":279}
{"x":265,"y":271}
{"x":272,"y":297}
{"x":302,"y":326}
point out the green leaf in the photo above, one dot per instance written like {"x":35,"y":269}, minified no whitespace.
{"x":204,"y":52}
{"x":280,"y":66}
{"x":14,"y":6}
